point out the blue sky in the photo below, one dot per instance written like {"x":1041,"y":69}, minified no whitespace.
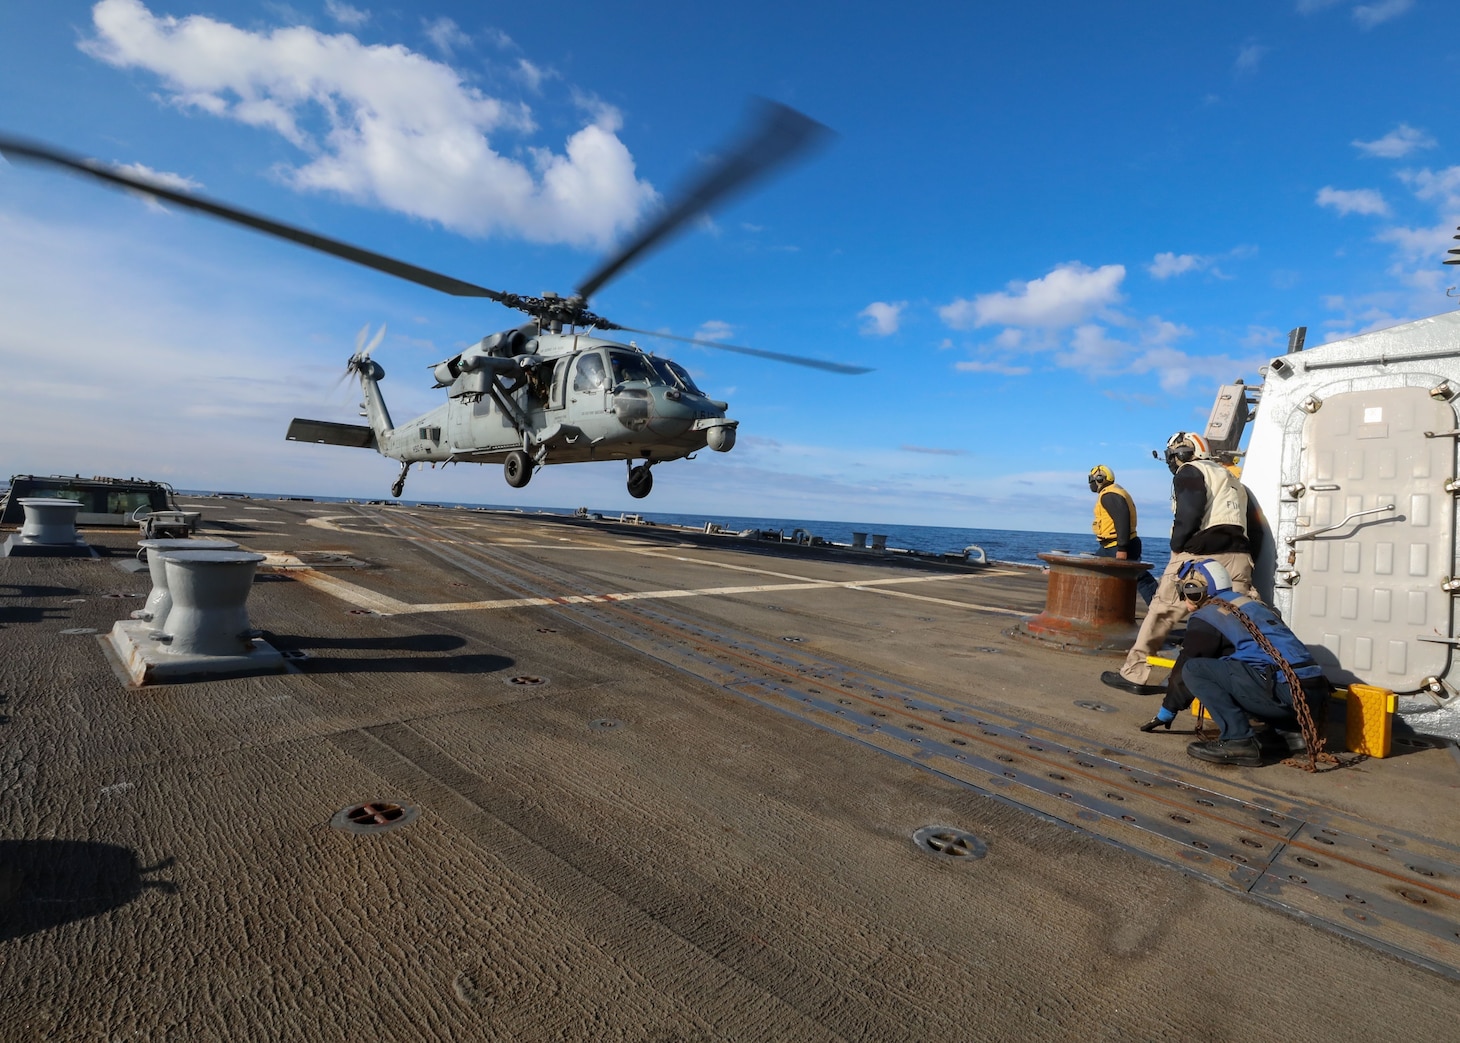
{"x":1053,"y":229}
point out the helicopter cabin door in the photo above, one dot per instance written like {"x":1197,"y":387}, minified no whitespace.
{"x":1375,"y":536}
{"x":588,"y":392}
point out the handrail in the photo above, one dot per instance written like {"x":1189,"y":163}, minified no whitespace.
{"x":1313,"y":533}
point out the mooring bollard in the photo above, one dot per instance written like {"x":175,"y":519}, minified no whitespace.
{"x":159,"y":600}
{"x":50,"y":523}
{"x":859,"y":540}
{"x":1090,"y":605}
{"x":209,"y":590}
{"x":49,"y":531}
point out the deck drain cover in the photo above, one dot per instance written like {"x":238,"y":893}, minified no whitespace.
{"x":293,"y":653}
{"x":950,"y":842}
{"x":605,"y":724}
{"x":546,"y":630}
{"x":80,"y":630}
{"x":527,"y":680}
{"x":121,"y":595}
{"x":376,"y":816}
{"x":1090,"y":704}
{"x":794,"y":640}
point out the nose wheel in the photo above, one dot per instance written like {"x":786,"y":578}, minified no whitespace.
{"x":640,"y":481}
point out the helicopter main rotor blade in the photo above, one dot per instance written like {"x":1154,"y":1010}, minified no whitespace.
{"x":795,"y":360}
{"x":15,"y":149}
{"x":779,"y":134}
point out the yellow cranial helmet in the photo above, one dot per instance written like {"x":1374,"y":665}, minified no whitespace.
{"x":1099,"y":477}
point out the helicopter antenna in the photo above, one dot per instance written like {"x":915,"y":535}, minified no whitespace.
{"x":1454,"y":258}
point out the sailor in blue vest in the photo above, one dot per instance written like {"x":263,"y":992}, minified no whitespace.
{"x":1225,"y":666}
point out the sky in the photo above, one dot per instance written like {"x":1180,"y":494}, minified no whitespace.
{"x":1052,"y":229}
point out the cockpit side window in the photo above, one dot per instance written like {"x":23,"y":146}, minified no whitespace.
{"x":632,"y":367}
{"x":590,"y":374}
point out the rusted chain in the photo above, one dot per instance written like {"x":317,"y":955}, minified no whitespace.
{"x":1311,"y":738}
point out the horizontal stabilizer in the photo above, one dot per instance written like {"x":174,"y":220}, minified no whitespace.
{"x":357,"y":436}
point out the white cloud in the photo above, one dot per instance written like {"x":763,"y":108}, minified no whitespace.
{"x":446,"y":35}
{"x":399,"y":130}
{"x":532,"y":75}
{"x":715,"y":330}
{"x":1400,"y":141}
{"x":1442,"y":187}
{"x":350,"y":17}
{"x":161,"y":178}
{"x":1420,"y":244}
{"x":1165,"y":265}
{"x":1353,"y":201}
{"x":881,"y":319}
{"x":932,"y":450}
{"x":1066,"y":296}
{"x":1370,"y":15}
{"x":1006,"y":369}
{"x":1175,"y":370}
{"x":1248,"y":58}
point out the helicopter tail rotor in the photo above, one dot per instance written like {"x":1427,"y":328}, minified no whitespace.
{"x":360,"y":362}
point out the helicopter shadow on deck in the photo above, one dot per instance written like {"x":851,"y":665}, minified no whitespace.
{"x":311,"y":655}
{"x":47,"y":883}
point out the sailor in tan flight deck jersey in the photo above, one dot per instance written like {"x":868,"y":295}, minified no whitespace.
{"x":1115,"y":525}
{"x":1210,"y":519}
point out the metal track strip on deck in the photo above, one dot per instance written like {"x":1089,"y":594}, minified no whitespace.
{"x":1397,"y":893}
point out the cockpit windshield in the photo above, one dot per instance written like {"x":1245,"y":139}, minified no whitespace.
{"x":675,"y":374}
{"x":633,"y":367}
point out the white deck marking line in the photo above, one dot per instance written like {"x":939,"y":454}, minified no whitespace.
{"x":939,"y":601}
{"x":362,"y":598}
{"x":351,"y":594}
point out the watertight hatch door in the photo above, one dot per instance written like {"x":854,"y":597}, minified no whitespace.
{"x":1370,"y":588}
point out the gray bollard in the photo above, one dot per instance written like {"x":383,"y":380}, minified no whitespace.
{"x":879,"y":541}
{"x":50,"y":523}
{"x":859,"y":540}
{"x":158,"y":599}
{"x":49,"y":531}
{"x":209,"y":590}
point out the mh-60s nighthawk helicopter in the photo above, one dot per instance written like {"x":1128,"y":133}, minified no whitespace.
{"x":548,"y":391}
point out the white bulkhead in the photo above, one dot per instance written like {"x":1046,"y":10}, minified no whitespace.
{"x":1352,"y":460}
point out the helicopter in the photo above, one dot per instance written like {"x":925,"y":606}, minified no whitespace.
{"x":549,"y":390}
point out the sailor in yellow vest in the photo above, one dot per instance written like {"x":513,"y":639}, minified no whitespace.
{"x":1115,"y":525}
{"x":1210,"y":520}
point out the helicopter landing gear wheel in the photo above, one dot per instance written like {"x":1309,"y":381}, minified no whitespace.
{"x":400,"y":483}
{"x":640,"y":481}
{"x":517,"y":468}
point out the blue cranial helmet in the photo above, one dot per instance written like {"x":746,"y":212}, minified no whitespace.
{"x":1202,"y":579}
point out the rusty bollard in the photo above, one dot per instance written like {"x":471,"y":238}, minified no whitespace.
{"x":1091,"y":604}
